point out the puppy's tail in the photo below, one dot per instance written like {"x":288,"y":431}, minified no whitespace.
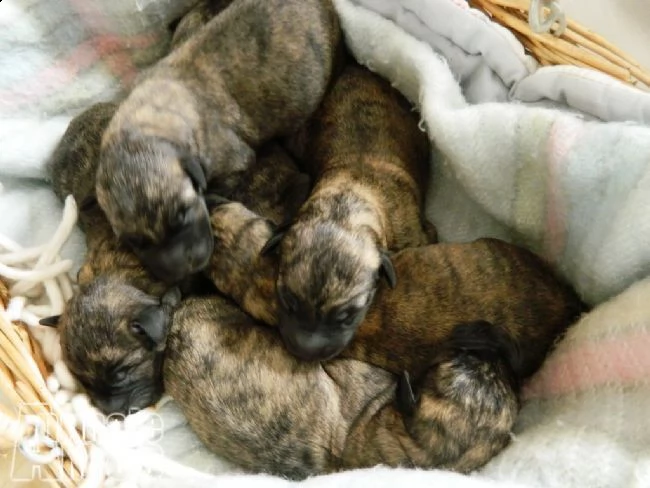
{"x":488,"y":343}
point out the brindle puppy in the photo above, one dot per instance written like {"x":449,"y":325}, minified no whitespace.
{"x":256,"y":71}
{"x":113,"y":329}
{"x":256,"y":405}
{"x":440,"y":286}
{"x":370,"y":162}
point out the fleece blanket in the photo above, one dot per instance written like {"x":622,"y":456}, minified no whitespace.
{"x":556,"y":159}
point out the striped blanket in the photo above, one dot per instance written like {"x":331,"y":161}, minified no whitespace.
{"x":556,"y":159}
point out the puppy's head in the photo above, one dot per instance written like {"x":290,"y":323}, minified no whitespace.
{"x":112,"y":338}
{"x":152,"y":194}
{"x":326,"y":282}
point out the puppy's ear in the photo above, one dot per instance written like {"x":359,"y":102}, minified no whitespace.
{"x":212,"y":201}
{"x":151,"y":326}
{"x":276,"y":238}
{"x":192,"y":167}
{"x":52,"y":321}
{"x":88,"y":203}
{"x":388,"y":270}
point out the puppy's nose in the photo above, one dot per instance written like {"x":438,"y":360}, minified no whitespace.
{"x":112,"y":405}
{"x":312,"y":346}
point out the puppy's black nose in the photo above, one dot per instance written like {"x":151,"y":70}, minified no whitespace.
{"x":311,"y":346}
{"x":116,"y":404}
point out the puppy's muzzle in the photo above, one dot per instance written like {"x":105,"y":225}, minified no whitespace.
{"x":128,"y":403}
{"x":321,"y":344}
{"x":183,"y":253}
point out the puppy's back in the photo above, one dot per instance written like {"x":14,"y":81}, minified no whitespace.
{"x":251,"y":402}
{"x":273,"y":59}
{"x":364,"y":117}
{"x":445,"y":284}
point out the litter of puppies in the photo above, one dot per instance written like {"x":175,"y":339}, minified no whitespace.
{"x":257,"y":249}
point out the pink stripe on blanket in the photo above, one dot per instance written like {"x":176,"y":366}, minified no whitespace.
{"x":96,"y":20}
{"x":64,"y":71}
{"x":619,"y":360}
{"x":563,"y":134}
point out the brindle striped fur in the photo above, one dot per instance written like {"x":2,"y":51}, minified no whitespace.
{"x":274,"y":188}
{"x":465,"y":404}
{"x":369,"y":162}
{"x":440,"y":286}
{"x":256,"y":405}
{"x":256,"y":71}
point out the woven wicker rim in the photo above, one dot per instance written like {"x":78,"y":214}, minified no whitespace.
{"x":576,"y":46}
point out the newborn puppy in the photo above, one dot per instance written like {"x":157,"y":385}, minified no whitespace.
{"x":256,"y":71}
{"x":370,"y":163}
{"x":238,"y":387}
{"x":440,"y":286}
{"x":114,"y":328}
{"x":112,"y":337}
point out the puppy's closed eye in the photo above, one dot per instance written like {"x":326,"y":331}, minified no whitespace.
{"x":120,"y":378}
{"x":180,"y":219}
{"x":346,"y":317}
{"x":136,"y":328}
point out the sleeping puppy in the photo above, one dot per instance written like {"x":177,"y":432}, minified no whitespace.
{"x":256,"y":71}
{"x":114,"y":326}
{"x":237,"y":386}
{"x":440,"y":285}
{"x":370,"y":163}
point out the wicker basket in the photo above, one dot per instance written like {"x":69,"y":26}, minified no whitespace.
{"x":570,"y":44}
{"x":38,"y":428}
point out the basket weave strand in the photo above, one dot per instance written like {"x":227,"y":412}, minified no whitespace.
{"x":576,"y":46}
